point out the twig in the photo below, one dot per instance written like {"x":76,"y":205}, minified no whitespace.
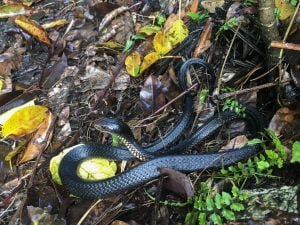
{"x":225,"y":60}
{"x":285,"y":45}
{"x":256,"y":88}
{"x":174,"y":99}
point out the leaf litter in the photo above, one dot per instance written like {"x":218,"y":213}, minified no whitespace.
{"x":88,"y":59}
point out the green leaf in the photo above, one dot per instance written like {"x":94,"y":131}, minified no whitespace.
{"x":202,"y":218}
{"x":149,"y":29}
{"x":138,"y":37}
{"x":203,"y":95}
{"x":228,"y":214}
{"x":235,"y":206}
{"x":216,"y":219}
{"x":255,"y":141}
{"x":128,"y":45}
{"x":209,"y":203}
{"x":226,"y":198}
{"x":235,"y":191}
{"x":115,"y":140}
{"x":218,"y":201}
{"x":262,"y":165}
{"x":296,"y":152}
{"x":197,"y":16}
{"x":161,"y":20}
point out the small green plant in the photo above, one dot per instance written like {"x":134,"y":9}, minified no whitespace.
{"x":294,"y":2}
{"x":215,"y":207}
{"x":233,"y":22}
{"x":129,"y":43}
{"x":235,"y":106}
{"x":296,"y":152}
{"x":202,"y":95}
{"x":198,"y":16}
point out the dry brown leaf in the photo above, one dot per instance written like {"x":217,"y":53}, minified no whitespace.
{"x":194,"y":6}
{"x":33,"y":29}
{"x":178,"y":182}
{"x":39,"y":141}
{"x":211,"y":5}
{"x":204,"y":41}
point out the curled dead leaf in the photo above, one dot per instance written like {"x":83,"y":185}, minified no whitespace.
{"x":39,"y":141}
{"x":34,"y":29}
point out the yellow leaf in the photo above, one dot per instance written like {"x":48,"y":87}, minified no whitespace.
{"x":177,"y":33}
{"x":149,"y":29}
{"x":132,"y":63}
{"x":111,"y":45}
{"x":148,"y":60}
{"x":33,"y":29}
{"x":24,"y":121}
{"x":161,"y":44}
{"x":59,"y":22}
{"x":285,"y":9}
{"x":91,"y":169}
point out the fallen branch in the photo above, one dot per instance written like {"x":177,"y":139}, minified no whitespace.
{"x":285,"y":45}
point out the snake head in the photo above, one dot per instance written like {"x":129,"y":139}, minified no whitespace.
{"x":113,"y":126}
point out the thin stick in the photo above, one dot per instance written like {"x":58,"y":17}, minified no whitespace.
{"x":284,"y":45}
{"x":225,"y":60}
{"x":174,"y":99}
{"x":256,"y":88}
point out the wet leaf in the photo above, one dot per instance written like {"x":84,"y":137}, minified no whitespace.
{"x":285,"y":9}
{"x":39,"y":141}
{"x":161,"y":44}
{"x":53,"y":74}
{"x":211,"y":5}
{"x":178,"y":182}
{"x":296,"y":152}
{"x":177,"y":33}
{"x":148,"y":60}
{"x":33,"y":29}
{"x":91,"y":169}
{"x":24,"y":121}
{"x":56,"y":23}
{"x":7,"y":11}
{"x":151,"y":95}
{"x":132,"y":63}
{"x":149,"y":29}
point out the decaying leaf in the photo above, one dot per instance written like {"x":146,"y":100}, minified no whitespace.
{"x":10,"y":60}
{"x":39,"y":141}
{"x":34,"y":29}
{"x":149,"y":29}
{"x":177,"y":33}
{"x":161,"y":43}
{"x":24,"y":121}
{"x":151,"y":95}
{"x":10,"y":10}
{"x":56,"y":23}
{"x":53,"y":74}
{"x":178,"y":182}
{"x":91,"y":169}
{"x":285,"y":9}
{"x":204,"y":41}
{"x":148,"y":60}
{"x":133,"y":63}
{"x":211,"y":5}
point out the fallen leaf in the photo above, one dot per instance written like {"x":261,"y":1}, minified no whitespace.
{"x":149,"y":29}
{"x":177,"y":182}
{"x":90,"y":169}
{"x":24,"y":121}
{"x":161,"y":43}
{"x":236,"y":142}
{"x":151,"y":95}
{"x":53,"y":74}
{"x":56,"y":23}
{"x":177,"y":33}
{"x":205,"y":39}
{"x":211,"y":5}
{"x":285,"y":9}
{"x":39,"y":140}
{"x":10,"y":60}
{"x":34,"y":29}
{"x":148,"y":60}
{"x":11,"y":10}
{"x":119,"y":222}
{"x":132,"y":63}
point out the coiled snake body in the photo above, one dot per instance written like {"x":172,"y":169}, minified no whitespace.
{"x":159,"y":153}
